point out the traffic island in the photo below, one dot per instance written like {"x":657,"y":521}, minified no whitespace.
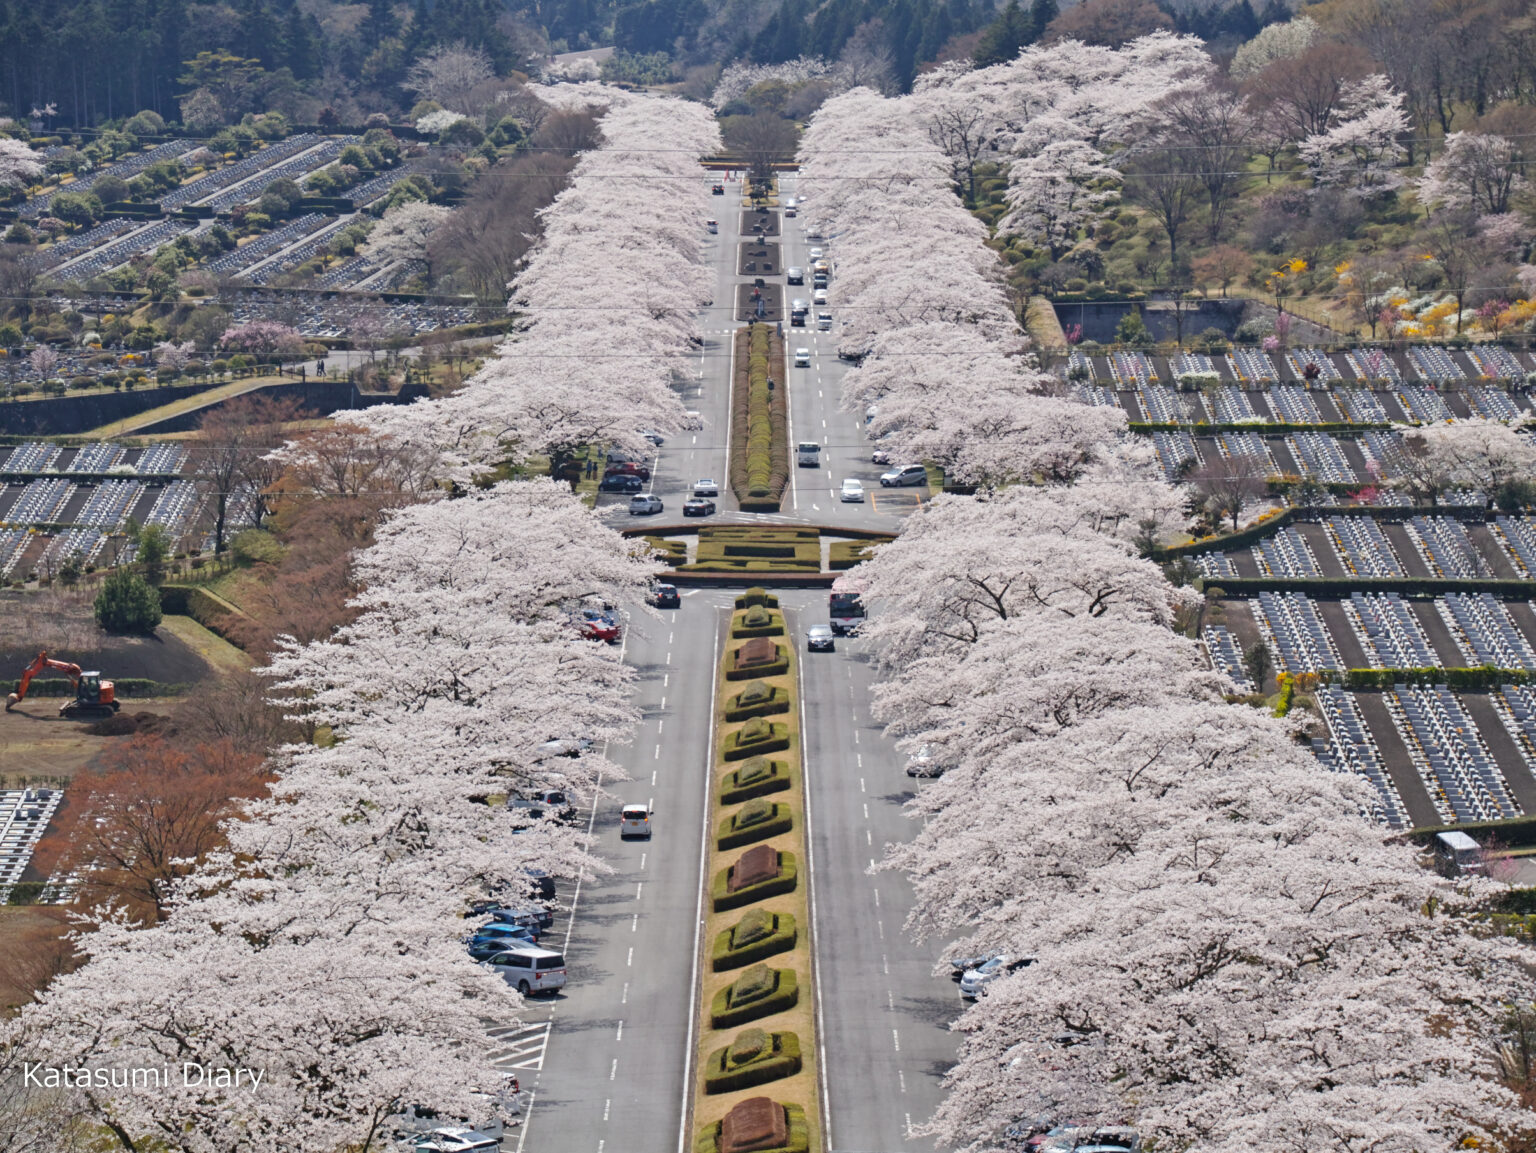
{"x":759,"y":421}
{"x":756,"y":1021}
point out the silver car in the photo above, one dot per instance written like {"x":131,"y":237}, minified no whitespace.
{"x":644,"y":504}
{"x":904,"y":475}
{"x":819,"y":639}
{"x":974,"y":983}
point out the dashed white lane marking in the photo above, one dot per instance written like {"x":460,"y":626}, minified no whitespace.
{"x":896,"y":1040}
{"x":624,"y":996}
{"x":902,"y":1077}
{"x":613,"y":1070}
{"x":869,"y":838}
{"x":855,"y":737}
{"x":657,"y":755}
{"x":629,"y":961}
{"x":634,"y":924}
{"x":659,"y":723}
{"x":653,"y":776}
{"x":861,"y":785}
{"x":859,"y":759}
{"x":866,"y":810}
{"x":606,"y":1104}
{"x":885,"y":965}
{"x":640,"y":886}
{"x":620,"y":1035}
{"x":876,"y":893}
{"x":642,"y":860}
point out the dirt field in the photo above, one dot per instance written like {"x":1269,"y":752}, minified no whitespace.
{"x":39,"y":747}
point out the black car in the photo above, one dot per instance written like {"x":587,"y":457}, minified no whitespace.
{"x":665,"y":597}
{"x":718,"y":190}
{"x":541,"y":886}
{"x":698,"y":506}
{"x":621,"y":482}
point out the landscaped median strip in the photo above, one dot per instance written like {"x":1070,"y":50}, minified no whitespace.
{"x":756,"y":1087}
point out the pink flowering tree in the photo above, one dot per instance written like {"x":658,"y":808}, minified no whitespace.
{"x":264,"y":340}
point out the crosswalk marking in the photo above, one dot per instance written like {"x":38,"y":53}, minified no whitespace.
{"x":520,"y":1046}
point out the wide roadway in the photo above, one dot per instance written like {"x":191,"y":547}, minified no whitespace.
{"x":612,"y":1074}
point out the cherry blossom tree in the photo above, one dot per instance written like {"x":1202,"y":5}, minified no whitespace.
{"x":447,"y":74}
{"x":43,"y":361}
{"x":1360,"y":149}
{"x":1486,"y":456}
{"x":1475,"y":171}
{"x":266,"y":340}
{"x":173,"y":356}
{"x":1056,"y":191}
{"x":405,"y":230}
{"x":19,"y":165}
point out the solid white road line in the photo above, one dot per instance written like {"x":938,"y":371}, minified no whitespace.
{"x":810,"y":881}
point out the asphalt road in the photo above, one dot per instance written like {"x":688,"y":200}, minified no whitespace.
{"x":605,"y":1062}
{"x":602,"y":1062}
{"x":884,"y":1015}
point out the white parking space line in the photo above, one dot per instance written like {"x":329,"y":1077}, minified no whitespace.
{"x":523,"y":1049}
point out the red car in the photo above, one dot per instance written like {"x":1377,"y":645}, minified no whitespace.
{"x":627,"y":468}
{"x":600,"y":626}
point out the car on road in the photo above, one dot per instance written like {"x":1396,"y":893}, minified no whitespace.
{"x":819,"y":296}
{"x":698,"y":506}
{"x":807,"y":454}
{"x":653,"y":436}
{"x":634,"y":821}
{"x":823,"y":322}
{"x":852,"y":492}
{"x":880,"y":456}
{"x":530,"y":969}
{"x":706,"y":486}
{"x":645,"y":504}
{"x":621,"y":482}
{"x":627,"y":468}
{"x":717,"y":189}
{"x":453,"y":1139}
{"x":802,"y":358}
{"x":819,"y":639}
{"x":819,"y":282}
{"x":903,"y":475}
{"x":816,"y":254}
{"x":664,"y":597}
{"x":712,"y":226}
{"x":974,"y":983}
{"x":814,"y":231}
{"x":794,"y":274}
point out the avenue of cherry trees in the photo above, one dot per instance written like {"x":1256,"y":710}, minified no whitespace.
{"x":1229,"y":954}
{"x":323,"y":946}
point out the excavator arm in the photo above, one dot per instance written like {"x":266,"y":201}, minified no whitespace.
{"x":38,"y":664}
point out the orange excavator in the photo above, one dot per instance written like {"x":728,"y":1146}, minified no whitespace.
{"x":94,"y":697}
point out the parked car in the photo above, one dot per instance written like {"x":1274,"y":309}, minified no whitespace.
{"x":960,"y":966}
{"x":453,"y":1139}
{"x":505,"y":932}
{"x":974,"y":983}
{"x":698,"y":506}
{"x":853,"y":492}
{"x":483,"y":948}
{"x":530,"y":970}
{"x":706,"y":486}
{"x":635,"y":821}
{"x":627,"y":468}
{"x":814,"y":231}
{"x":794,"y":275}
{"x":541,"y":886}
{"x":665,"y":596}
{"x":526,"y":807}
{"x":816,"y":254}
{"x":902,"y":475}
{"x":620,"y":482}
{"x":922,"y":764}
{"x":653,"y":436}
{"x":819,"y":296}
{"x":597,"y":625}
{"x":644,"y":504}
{"x":802,"y":358}
{"x":819,"y":639}
{"x":823,"y":322}
{"x":536,"y":917}
{"x":880,"y":456}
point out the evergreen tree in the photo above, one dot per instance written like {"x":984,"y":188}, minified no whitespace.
{"x":1041,"y":13}
{"x":1005,"y":37}
{"x":127,"y":604}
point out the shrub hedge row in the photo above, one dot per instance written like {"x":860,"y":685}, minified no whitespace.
{"x":1478,"y":680}
{"x":755,"y":701}
{"x":724,"y":900}
{"x":726,"y":1071}
{"x":708,"y":1140}
{"x":759,"y":777}
{"x":777,"y":669}
{"x":751,"y":825}
{"x":757,"y":737}
{"x":757,"y":596}
{"x":1343,"y":586}
{"x":759,"y":622}
{"x":123,"y":686}
{"x":759,"y":421}
{"x":750,"y":998}
{"x":669,"y":552}
{"x":847,"y":553}
{"x":781,"y":937}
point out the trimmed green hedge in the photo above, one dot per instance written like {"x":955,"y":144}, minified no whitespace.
{"x":777,"y":669}
{"x":759,"y":421}
{"x":757,"y":700}
{"x":758,"y":992}
{"x":1518,"y":833}
{"x":847,"y":553}
{"x":1478,"y":680}
{"x":757,"y":821}
{"x":708,"y":1140}
{"x":669,"y":552}
{"x":757,"y":596}
{"x":758,"y":622}
{"x":757,"y":778}
{"x":724,"y":900}
{"x":122,"y":686}
{"x":753,"y":1058}
{"x":754,"y":739}
{"x":778,"y":934}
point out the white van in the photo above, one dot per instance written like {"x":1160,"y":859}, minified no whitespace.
{"x":808,"y":454}
{"x":531,"y":970}
{"x":634,"y":821}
